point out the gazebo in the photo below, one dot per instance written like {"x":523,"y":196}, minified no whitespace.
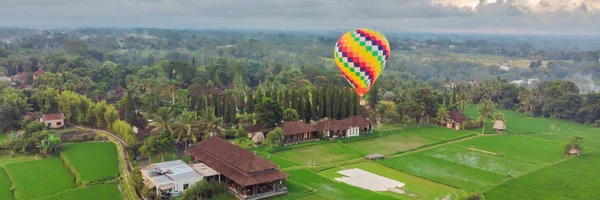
{"x":258,"y":138}
{"x":499,"y":126}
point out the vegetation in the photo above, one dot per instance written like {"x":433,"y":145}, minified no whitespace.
{"x":103,"y":166}
{"x":318,"y":154}
{"x":40,"y":178}
{"x":94,"y":192}
{"x":5,"y":187}
{"x":204,"y":190}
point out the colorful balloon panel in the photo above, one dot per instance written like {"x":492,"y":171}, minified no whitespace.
{"x":361,"y":55}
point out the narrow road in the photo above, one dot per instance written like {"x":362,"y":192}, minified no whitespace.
{"x":126,"y":167}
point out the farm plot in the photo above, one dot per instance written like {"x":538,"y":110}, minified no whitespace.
{"x":481,"y":160}
{"x":523,"y":148}
{"x":331,"y":189}
{"x":92,"y":161}
{"x":422,"y":188}
{"x":94,"y":192}
{"x":40,"y":178}
{"x":457,"y":175}
{"x":5,"y":192}
{"x":318,"y":154}
{"x":577,"y":178}
{"x":282,"y":163}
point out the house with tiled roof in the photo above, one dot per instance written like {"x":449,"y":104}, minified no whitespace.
{"x":53,"y":120}
{"x":298,"y":132}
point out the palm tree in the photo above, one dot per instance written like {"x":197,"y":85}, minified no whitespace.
{"x":443,"y":114}
{"x":211,"y":123}
{"x":164,"y":120}
{"x":485,"y":111}
{"x":186,"y":127}
{"x":498,"y":116}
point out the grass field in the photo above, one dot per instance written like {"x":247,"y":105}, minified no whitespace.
{"x":5,"y":192}
{"x":577,"y":178}
{"x":423,"y":188}
{"x":318,"y":154}
{"x":484,"y":161}
{"x":94,"y":192}
{"x":92,"y":161}
{"x":282,"y":163}
{"x":519,"y":147}
{"x":40,"y":178}
{"x":392,"y":142}
{"x":7,"y":159}
{"x":457,"y":175}
{"x":330,"y":189}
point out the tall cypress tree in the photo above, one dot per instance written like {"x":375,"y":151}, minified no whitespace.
{"x":322,"y":106}
{"x":343,"y":103}
{"x":329,"y":102}
{"x":373,"y":95}
{"x":307,"y":107}
{"x":314,"y":103}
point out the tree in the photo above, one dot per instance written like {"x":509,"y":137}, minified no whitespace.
{"x":443,"y":114}
{"x":373,"y":95}
{"x":275,"y":137}
{"x":49,"y":144}
{"x":186,"y":127}
{"x":33,"y":127}
{"x":211,"y":124}
{"x":576,"y":144}
{"x":160,"y":143}
{"x":269,"y":112}
{"x":129,"y":103}
{"x":290,"y":115}
{"x":485,"y":111}
{"x":163,"y":120}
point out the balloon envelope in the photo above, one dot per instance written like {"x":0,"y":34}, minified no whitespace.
{"x":361,"y":55}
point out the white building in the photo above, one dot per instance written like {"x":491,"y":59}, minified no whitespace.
{"x":173,"y":177}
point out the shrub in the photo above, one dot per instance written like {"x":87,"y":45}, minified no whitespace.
{"x":99,"y":138}
{"x":149,"y":193}
{"x":230,"y":133}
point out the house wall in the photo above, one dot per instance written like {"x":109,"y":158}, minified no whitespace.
{"x":54,"y":123}
{"x":353,"y":131}
{"x":179,"y":185}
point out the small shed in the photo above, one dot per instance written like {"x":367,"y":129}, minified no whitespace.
{"x":499,"y":125}
{"x":54,"y":120}
{"x":574,"y":151}
{"x":375,"y":156}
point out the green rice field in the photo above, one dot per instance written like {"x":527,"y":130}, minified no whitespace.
{"x":5,"y":192}
{"x":40,"y":178}
{"x":318,"y":154}
{"x":103,"y":166}
{"x":94,"y":192}
{"x":519,"y":147}
{"x":422,"y":188}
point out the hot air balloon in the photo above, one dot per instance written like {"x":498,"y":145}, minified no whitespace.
{"x":361,"y":56}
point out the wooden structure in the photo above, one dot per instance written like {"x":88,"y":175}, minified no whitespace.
{"x":456,"y":120}
{"x":257,"y":128}
{"x":248,"y":176}
{"x":54,"y":120}
{"x":499,"y":126}
{"x":298,"y":132}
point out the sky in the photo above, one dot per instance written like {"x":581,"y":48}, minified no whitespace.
{"x":446,"y":16}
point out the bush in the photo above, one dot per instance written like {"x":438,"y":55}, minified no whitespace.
{"x":230,"y":133}
{"x":241,"y":133}
{"x":204,"y":190}
{"x":149,"y":193}
{"x":99,"y":138}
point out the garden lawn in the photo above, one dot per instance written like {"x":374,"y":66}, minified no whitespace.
{"x":318,"y":154}
{"x":5,"y":192}
{"x":331,"y":189}
{"x":423,"y":188}
{"x":457,"y":175}
{"x":94,"y":192}
{"x":92,"y":161}
{"x":525,"y":148}
{"x":40,"y":178}
{"x":484,"y":161}
{"x":577,"y":178}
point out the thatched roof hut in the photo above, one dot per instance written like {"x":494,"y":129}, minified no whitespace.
{"x":574,"y":151}
{"x":499,"y":125}
{"x":258,"y":138}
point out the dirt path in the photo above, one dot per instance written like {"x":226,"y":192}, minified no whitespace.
{"x":125,"y":166}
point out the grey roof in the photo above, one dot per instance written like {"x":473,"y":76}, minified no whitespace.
{"x":177,"y":171}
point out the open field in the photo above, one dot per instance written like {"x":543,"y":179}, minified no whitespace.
{"x":6,"y":159}
{"x":94,"y":192}
{"x":392,"y":142}
{"x":5,"y":192}
{"x":318,"y":154}
{"x":577,"y":178}
{"x":423,"y":188}
{"x":40,"y":178}
{"x":92,"y":161}
{"x":457,"y":175}
{"x":487,"y":60}
{"x":331,"y":189}
{"x":484,"y":161}
{"x":519,"y":147}
{"x":282,"y":163}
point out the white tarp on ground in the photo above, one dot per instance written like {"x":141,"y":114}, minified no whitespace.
{"x":367,"y":180}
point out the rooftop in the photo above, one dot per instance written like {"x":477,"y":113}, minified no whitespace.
{"x":297,"y":127}
{"x":53,"y":116}
{"x":171,"y":171}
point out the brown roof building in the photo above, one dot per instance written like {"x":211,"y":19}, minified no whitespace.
{"x":456,"y":120}
{"x":358,"y":121}
{"x":331,"y":125}
{"x":38,"y":73}
{"x":298,"y":132}
{"x":54,"y":120}
{"x":247,"y":175}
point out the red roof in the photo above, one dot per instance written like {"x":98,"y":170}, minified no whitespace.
{"x":53,"y":116}
{"x":356,"y":120}
{"x":20,"y":77}
{"x":297,"y":127}
{"x":236,"y":163}
{"x":39,"y":72}
{"x":457,"y":116}
{"x":257,"y":128}
{"x":332,"y":125}
{"x":118,"y":88}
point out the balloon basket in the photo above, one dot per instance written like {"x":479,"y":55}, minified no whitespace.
{"x":363,"y":102}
